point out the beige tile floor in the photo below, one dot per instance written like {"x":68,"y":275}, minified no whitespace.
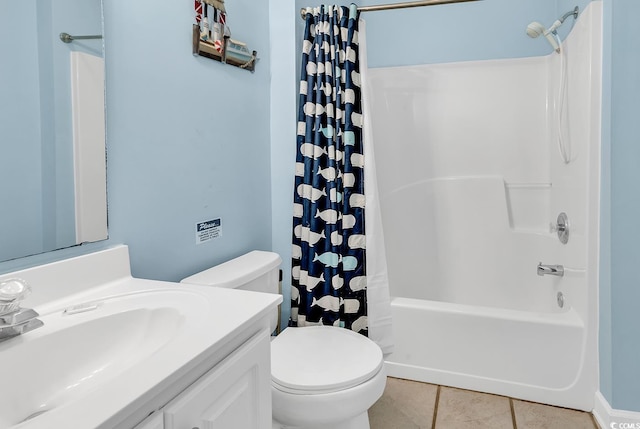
{"x":411,"y":405}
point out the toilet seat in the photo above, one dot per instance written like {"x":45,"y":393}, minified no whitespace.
{"x":322,"y":359}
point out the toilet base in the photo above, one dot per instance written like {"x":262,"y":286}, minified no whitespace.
{"x":345,"y":409}
{"x":358,"y":422}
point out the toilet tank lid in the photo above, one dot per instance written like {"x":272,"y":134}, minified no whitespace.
{"x":238,"y":271}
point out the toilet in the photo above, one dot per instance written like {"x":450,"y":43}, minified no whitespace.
{"x":321,"y":376}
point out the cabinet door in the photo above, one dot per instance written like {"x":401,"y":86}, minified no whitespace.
{"x":236,"y":393}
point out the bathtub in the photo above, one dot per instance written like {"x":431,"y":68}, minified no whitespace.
{"x":468,"y":307}
{"x":526,"y":355}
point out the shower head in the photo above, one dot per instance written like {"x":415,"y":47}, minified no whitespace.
{"x":536,"y":29}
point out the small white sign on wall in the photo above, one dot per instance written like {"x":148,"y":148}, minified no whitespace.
{"x":208,"y":230}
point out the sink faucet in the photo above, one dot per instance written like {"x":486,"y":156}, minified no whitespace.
{"x":15,"y":320}
{"x":552,"y":270}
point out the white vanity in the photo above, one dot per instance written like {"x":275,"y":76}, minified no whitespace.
{"x":121,"y":352}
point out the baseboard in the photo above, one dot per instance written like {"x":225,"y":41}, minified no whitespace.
{"x":607,"y":417}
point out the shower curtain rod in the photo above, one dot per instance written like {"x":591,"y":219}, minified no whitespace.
{"x":68,"y":38}
{"x":403,"y":5}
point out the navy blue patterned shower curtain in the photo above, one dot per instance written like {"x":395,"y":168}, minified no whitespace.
{"x":328,"y":266}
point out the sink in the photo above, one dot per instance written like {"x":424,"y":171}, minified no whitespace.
{"x":85,"y":345}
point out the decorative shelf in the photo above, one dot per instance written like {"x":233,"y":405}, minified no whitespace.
{"x":208,"y":50}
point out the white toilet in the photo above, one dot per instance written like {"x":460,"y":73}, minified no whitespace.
{"x":321,"y":376}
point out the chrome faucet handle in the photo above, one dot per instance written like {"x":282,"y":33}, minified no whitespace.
{"x":12,"y":292}
{"x":15,"y":320}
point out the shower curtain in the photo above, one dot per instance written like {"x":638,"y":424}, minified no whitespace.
{"x":378,"y":299}
{"x":330,"y":281}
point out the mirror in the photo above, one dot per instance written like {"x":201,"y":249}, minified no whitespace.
{"x":52,"y":139}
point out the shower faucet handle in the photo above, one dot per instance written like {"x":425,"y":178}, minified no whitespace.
{"x":562,"y":228}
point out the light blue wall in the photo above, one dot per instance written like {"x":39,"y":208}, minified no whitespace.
{"x":625,"y":206}
{"x":21,"y":213}
{"x":188,"y":140}
{"x":488,"y":29}
{"x":36,"y":129}
{"x":51,"y":147}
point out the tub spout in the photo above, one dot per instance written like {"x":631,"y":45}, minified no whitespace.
{"x":552,"y":270}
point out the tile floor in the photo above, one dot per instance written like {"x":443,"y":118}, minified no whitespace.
{"x":411,"y":405}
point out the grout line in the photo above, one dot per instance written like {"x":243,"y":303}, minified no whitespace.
{"x":513,"y":414}
{"x":435,"y":409}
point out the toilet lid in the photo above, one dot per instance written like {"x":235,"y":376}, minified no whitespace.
{"x":322,"y":359}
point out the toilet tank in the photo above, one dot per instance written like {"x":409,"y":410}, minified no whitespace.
{"x":255,"y":271}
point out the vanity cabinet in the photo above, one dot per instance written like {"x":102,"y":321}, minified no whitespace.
{"x":235,"y":393}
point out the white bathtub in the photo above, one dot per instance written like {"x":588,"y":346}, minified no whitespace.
{"x":468,"y":308}
{"x":527,"y":355}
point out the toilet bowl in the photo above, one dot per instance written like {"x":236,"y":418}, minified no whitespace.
{"x":321,"y":376}
{"x":324,"y":377}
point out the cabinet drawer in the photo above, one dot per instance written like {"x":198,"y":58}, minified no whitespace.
{"x":236,"y":393}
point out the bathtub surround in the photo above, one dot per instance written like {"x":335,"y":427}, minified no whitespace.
{"x":471,"y":182}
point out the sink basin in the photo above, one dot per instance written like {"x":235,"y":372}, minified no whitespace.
{"x":85,"y":347}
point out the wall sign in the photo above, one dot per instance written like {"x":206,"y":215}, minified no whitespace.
{"x":208,"y":230}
